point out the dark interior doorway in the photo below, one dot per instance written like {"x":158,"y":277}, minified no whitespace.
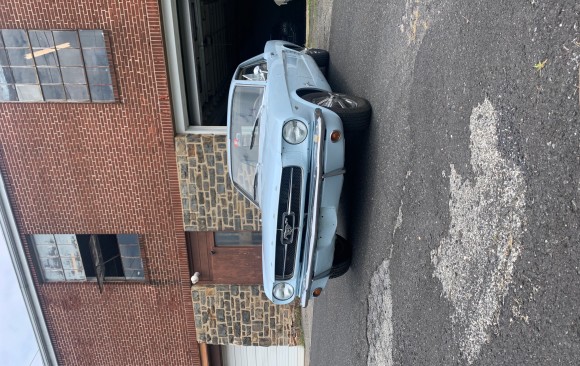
{"x":217,"y":35}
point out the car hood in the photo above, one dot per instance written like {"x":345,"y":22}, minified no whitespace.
{"x":269,"y":193}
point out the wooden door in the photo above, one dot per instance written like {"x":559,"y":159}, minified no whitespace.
{"x":224,"y":264}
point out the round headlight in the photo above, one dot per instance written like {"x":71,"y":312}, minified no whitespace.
{"x":294,"y":132}
{"x":283,"y":291}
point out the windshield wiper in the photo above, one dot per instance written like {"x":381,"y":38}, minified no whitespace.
{"x":256,"y":181}
{"x":255,"y":127}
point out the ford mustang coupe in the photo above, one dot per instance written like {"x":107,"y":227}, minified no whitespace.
{"x":286,"y":155}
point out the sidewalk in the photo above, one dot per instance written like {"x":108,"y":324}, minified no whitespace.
{"x":307,"y":329}
{"x":318,"y":16}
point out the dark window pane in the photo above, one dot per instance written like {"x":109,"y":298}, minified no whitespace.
{"x":20,"y":57}
{"x":3,"y":58}
{"x":92,"y":38}
{"x":8,"y":93}
{"x":49,"y":75}
{"x":39,"y":65}
{"x":95,"y":57}
{"x":111,"y":256}
{"x":134,"y":274}
{"x":84,"y":248}
{"x":73,"y":75}
{"x":53,"y":92}
{"x":114,"y":268}
{"x":102,"y":93}
{"x":78,"y":93}
{"x":128,"y":238}
{"x":15,"y":38}
{"x":45,"y":59}
{"x":41,"y":39}
{"x":24,"y":75}
{"x":6,"y":76}
{"x":130,"y":250}
{"x":237,"y":238}
{"x":69,"y":37}
{"x":132,"y":263}
{"x":29,"y":93}
{"x":70,"y":57}
{"x":99,"y":75}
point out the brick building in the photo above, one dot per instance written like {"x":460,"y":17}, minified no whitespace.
{"x":115,"y":193}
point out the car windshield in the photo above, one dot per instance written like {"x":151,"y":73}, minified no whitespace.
{"x":244,"y":136}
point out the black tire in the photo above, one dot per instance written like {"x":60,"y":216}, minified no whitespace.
{"x":355,"y":113}
{"x":320,"y":56}
{"x":342,"y":257}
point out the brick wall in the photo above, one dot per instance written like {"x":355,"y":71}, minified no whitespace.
{"x":105,"y":168}
{"x":243,"y":315}
{"x":209,"y":200}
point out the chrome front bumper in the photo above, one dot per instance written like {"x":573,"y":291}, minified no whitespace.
{"x":317,"y":169}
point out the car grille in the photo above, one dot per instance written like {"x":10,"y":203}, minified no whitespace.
{"x":289,"y":216}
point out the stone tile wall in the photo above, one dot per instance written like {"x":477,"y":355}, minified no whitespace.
{"x":209,"y":200}
{"x":242,"y":315}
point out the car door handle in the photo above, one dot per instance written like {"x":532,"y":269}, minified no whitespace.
{"x":212,"y":252}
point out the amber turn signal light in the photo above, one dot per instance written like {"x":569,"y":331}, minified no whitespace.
{"x":318,"y":291}
{"x":335,"y":136}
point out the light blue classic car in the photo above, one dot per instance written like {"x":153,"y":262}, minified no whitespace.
{"x":286,"y":155}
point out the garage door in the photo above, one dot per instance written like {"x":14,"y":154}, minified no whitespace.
{"x":262,"y":356}
{"x":215,"y":36}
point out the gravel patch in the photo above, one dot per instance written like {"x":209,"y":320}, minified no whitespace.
{"x":379,"y":321}
{"x":475,"y":261}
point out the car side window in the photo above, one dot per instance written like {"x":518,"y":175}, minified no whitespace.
{"x":257,"y":71}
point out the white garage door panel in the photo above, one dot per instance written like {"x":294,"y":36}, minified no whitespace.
{"x":262,"y":356}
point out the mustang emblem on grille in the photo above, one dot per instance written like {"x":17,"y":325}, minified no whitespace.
{"x":288,"y":228}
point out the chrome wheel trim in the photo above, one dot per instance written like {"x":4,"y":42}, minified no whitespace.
{"x":336,"y":100}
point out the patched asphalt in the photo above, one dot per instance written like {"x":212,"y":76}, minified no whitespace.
{"x":462,"y":198}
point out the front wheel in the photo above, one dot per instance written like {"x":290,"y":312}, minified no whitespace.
{"x":354,"y":112}
{"x":320,"y":56}
{"x":342,"y":257}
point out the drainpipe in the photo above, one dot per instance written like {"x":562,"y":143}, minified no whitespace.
{"x":204,"y":354}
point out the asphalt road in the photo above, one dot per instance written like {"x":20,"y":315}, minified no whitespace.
{"x":462,"y":199}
